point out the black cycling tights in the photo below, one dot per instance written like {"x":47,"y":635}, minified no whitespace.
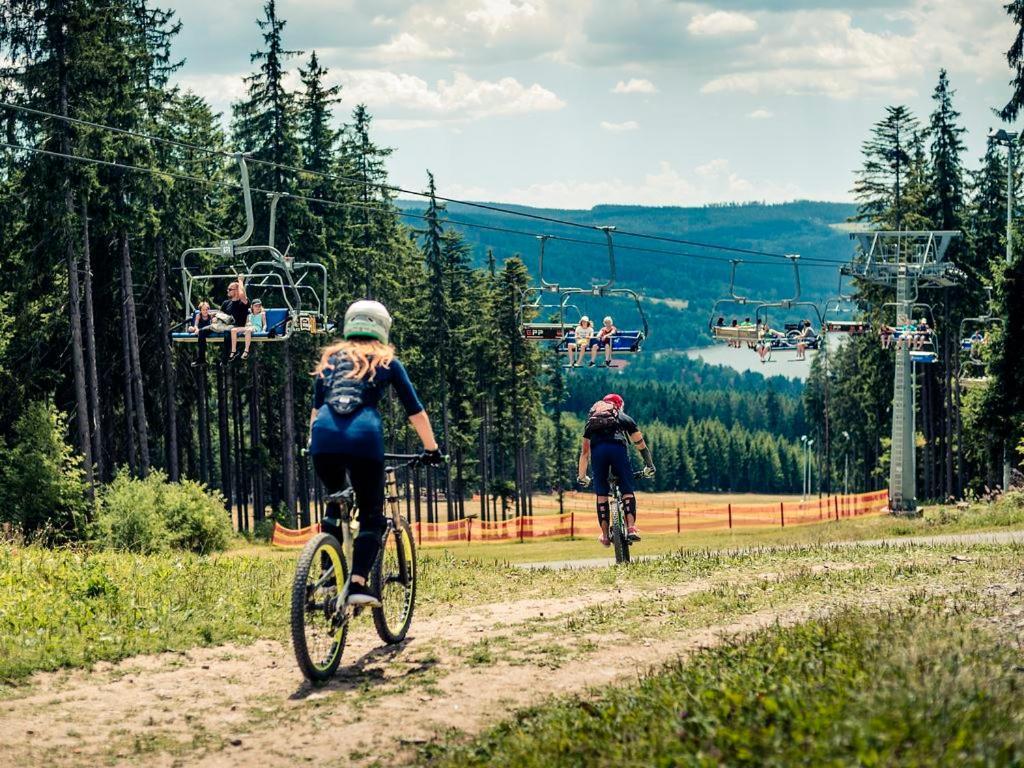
{"x":367,"y":476}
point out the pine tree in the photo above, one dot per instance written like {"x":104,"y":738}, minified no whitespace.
{"x":880,"y":183}
{"x":1015,"y":58}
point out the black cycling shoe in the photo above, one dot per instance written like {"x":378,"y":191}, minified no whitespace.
{"x":360,"y":595}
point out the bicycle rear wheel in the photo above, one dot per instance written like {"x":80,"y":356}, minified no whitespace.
{"x":618,"y":530}
{"x":394,"y":578}
{"x":319,"y":627}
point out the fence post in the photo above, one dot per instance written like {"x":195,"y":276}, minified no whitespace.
{"x":679,"y":526}
{"x":837,"y":507}
{"x":819,"y":507}
{"x":572,"y":524}
{"x":419,"y":531}
{"x":730,"y":517}
{"x":782,"y":513}
{"x":521,"y":529}
{"x":469,"y":531}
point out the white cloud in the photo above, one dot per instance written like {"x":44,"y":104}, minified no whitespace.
{"x":761,"y":114}
{"x":712,"y":182}
{"x":462,"y":98}
{"x":219,"y":90}
{"x":635,"y":85}
{"x":824,"y":52}
{"x":499,"y":15}
{"x":718,"y":23}
{"x":409,"y":47}
{"x":628,"y":125}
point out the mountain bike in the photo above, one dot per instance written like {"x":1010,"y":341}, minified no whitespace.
{"x":320,"y":618}
{"x":617,"y":527}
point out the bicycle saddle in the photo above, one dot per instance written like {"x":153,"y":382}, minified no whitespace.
{"x":345,"y":495}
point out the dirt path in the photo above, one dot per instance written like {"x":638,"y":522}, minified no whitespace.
{"x":239,"y":706}
{"x":247,"y":705}
{"x":994,"y":537}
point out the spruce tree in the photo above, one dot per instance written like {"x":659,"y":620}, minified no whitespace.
{"x":880,"y":185}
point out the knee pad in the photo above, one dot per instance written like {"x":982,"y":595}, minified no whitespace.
{"x":603,"y":512}
{"x":629,"y":505}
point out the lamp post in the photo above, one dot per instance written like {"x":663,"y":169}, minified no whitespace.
{"x":846,"y":464}
{"x":1009,"y":140}
{"x":803,"y":488}
{"x":810,"y":467}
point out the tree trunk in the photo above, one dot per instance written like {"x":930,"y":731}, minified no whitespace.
{"x":288,"y":434}
{"x":203,"y":407}
{"x":224,"y":435}
{"x":90,"y":349}
{"x":135,"y":359}
{"x":256,"y":440}
{"x":170,"y":382}
{"x":71,"y":260}
{"x":129,"y":405}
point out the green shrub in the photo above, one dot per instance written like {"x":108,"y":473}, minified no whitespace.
{"x":153,"y":515}
{"x":42,"y":485}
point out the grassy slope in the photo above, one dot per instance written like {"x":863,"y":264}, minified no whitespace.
{"x":936,"y":683}
{"x":68,"y":608}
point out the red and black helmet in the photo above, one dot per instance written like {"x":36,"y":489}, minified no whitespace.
{"x":614,"y":399}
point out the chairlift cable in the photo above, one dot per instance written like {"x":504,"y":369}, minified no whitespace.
{"x":407,"y":214}
{"x":398,"y":189}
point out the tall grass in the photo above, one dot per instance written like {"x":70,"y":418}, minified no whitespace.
{"x":918,"y":686}
{"x":68,"y":607}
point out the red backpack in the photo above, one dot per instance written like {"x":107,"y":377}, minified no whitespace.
{"x":603,"y":417}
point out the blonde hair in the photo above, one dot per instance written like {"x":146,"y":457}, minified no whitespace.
{"x":203,"y":304}
{"x":367,"y":355}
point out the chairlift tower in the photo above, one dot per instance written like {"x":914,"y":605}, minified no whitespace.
{"x":906,"y":261}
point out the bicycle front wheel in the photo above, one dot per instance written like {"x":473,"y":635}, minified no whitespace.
{"x":394,"y":579}
{"x":319,"y":625}
{"x":620,"y":542}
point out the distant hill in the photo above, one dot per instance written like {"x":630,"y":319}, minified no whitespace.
{"x":802,"y":227}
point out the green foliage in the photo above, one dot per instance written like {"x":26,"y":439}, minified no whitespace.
{"x":916,"y":686}
{"x":42,"y":490}
{"x":68,"y":608}
{"x":153,"y":515}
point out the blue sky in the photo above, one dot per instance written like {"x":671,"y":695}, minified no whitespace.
{"x":581,"y":102}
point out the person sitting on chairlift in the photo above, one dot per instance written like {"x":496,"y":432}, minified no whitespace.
{"x":237,"y":305}
{"x":885,"y":333}
{"x":255,"y":323}
{"x":201,"y":328}
{"x":923,"y":335}
{"x":603,"y":340}
{"x":583,"y":334}
{"x":806,"y":337}
{"x":977,"y":340}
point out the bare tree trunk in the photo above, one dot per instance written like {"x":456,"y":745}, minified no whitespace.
{"x":170,"y":381}
{"x":256,"y":440}
{"x":129,"y":406}
{"x":288,"y":436}
{"x":224,"y":434}
{"x":74,"y":292}
{"x":90,"y":349}
{"x":133,"y":351}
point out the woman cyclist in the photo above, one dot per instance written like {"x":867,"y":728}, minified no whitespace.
{"x":605,"y":444}
{"x":346,"y":436}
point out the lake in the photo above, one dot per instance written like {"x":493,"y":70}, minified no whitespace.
{"x":743,"y":359}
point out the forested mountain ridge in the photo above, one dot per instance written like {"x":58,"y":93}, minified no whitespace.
{"x":801,"y":227}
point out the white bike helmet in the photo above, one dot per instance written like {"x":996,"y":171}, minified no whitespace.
{"x":365,"y":319}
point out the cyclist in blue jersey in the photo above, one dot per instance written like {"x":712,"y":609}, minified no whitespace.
{"x":606,"y":439}
{"x":346,"y":436}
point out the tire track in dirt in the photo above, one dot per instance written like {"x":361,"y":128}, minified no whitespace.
{"x":247,"y":705}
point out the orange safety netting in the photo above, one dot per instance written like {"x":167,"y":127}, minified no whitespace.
{"x":657,"y":515}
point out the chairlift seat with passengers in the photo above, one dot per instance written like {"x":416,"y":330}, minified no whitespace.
{"x":973,"y":371}
{"x":563,"y":332}
{"x":293,"y":293}
{"x":793,"y":335}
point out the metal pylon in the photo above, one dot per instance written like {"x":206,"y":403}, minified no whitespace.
{"x":905,"y":260}
{"x":903,"y":469}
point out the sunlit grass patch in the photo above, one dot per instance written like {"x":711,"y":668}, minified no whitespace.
{"x":928,"y":683}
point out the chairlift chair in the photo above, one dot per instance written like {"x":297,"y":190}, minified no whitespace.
{"x":973,"y":370}
{"x":838,"y":315}
{"x":562,"y":332}
{"x":791,"y":337}
{"x":293,"y":293}
{"x":928,"y":354}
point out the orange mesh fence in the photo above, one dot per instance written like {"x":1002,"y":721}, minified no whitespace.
{"x":657,"y":515}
